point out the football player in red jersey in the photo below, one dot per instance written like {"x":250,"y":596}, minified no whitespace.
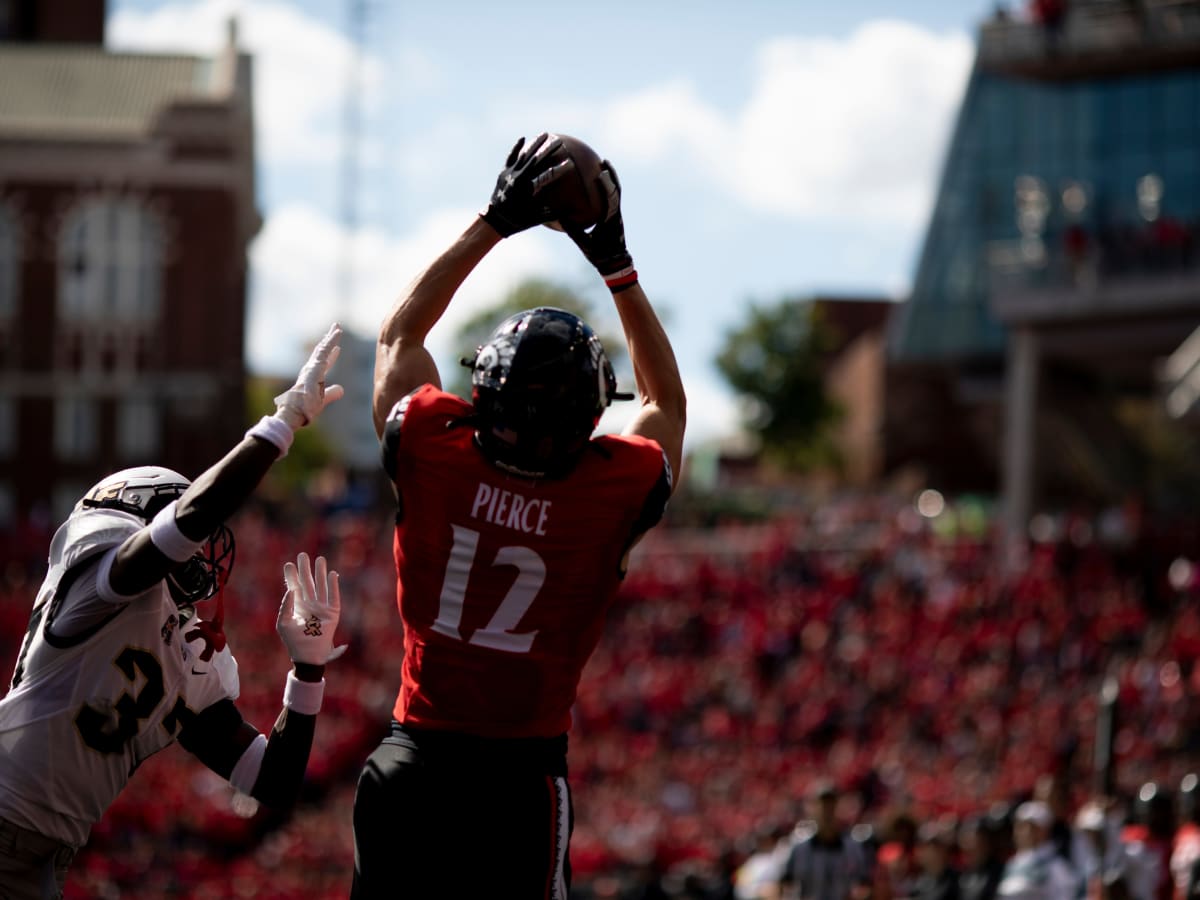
{"x":514,"y":526}
{"x":115,"y":665}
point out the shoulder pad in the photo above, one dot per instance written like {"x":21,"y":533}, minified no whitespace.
{"x":88,"y":533}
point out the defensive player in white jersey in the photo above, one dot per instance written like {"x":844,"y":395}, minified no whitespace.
{"x":115,"y":665}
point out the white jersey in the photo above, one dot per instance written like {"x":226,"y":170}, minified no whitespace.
{"x":85,"y":710}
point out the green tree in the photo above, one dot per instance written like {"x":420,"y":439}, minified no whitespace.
{"x":775,"y":362}
{"x":528,"y":294}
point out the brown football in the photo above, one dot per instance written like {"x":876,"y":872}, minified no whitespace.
{"x":578,"y":198}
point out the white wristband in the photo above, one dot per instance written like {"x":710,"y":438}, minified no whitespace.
{"x":303,"y":696}
{"x":275,"y":431}
{"x":166,"y":536}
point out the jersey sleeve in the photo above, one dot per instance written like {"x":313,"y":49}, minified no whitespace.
{"x":656,"y":500}
{"x":416,"y":415}
{"x":390,"y":440}
{"x":85,"y":547}
{"x":646,"y":468}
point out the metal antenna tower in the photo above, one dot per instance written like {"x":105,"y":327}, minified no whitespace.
{"x":356,"y":23}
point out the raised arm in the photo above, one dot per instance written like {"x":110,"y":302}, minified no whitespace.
{"x":271,"y":768}
{"x":401,"y":361}
{"x":663,"y":415}
{"x":184,"y":525}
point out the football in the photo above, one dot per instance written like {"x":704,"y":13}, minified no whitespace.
{"x":579,"y":197}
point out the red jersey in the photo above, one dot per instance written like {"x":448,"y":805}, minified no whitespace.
{"x":502,"y":581}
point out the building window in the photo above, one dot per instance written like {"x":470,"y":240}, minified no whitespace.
{"x":8,"y":505}
{"x":8,"y":20}
{"x":110,"y":259}
{"x":139,"y":427}
{"x":8,"y":426}
{"x":8,"y":264}
{"x":75,"y":427}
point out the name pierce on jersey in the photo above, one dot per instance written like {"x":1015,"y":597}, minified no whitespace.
{"x":510,"y":509}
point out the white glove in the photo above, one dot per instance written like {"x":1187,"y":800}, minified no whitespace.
{"x":309,"y":612}
{"x":305,"y":400}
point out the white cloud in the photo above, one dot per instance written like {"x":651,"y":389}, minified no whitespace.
{"x":651,"y":125}
{"x":297,"y":257}
{"x":832,"y":129}
{"x":840,"y":130}
{"x":301,"y":66}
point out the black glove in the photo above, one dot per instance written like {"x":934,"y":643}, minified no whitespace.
{"x":604,"y":245}
{"x":514,"y":205}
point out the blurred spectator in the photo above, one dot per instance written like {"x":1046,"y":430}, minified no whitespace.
{"x":938,"y":879}
{"x":824,"y":862}
{"x":1105,"y":862}
{"x":758,"y":876}
{"x":1036,"y":871}
{"x":1186,"y":850}
{"x":896,"y":869}
{"x":1051,"y":15}
{"x":1052,"y":789}
{"x":983,"y":855}
{"x":1152,"y":838}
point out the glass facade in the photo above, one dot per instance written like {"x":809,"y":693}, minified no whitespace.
{"x":1053,"y":182}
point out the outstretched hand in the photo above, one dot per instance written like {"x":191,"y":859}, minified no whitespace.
{"x":306,"y":399}
{"x":604,"y":243}
{"x":309,"y":612}
{"x":515,"y":204}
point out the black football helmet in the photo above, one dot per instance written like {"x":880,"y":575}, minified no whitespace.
{"x":142,"y":492}
{"x":539,"y":386}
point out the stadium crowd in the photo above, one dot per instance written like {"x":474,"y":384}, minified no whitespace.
{"x":856,"y":643}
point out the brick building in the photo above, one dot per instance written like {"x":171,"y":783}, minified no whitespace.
{"x":126,"y":208}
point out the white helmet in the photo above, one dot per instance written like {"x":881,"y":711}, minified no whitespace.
{"x":141,"y":491}
{"x":144,"y":490}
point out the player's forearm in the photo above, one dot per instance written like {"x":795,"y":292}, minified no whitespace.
{"x":426,"y":299}
{"x":222,"y":489}
{"x":654,"y":365}
{"x":402,"y":363}
{"x":285,"y":759}
{"x":290,"y":742}
{"x":269,"y":768}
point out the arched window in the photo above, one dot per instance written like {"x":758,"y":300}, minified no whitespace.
{"x":110,"y":261}
{"x":8,"y":263}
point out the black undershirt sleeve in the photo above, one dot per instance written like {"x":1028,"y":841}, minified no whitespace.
{"x":218,"y":736}
{"x":286,"y":758}
{"x":651,"y":512}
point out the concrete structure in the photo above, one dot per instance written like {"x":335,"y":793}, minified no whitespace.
{"x":1061,"y":268}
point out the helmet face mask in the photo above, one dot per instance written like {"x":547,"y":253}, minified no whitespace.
{"x":144,"y":491}
{"x":539,"y":386}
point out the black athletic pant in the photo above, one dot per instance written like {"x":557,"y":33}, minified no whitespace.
{"x":439,"y":814}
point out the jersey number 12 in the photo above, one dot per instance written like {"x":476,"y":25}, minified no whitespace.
{"x":498,"y":633}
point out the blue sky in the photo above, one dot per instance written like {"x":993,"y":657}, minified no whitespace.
{"x":766,"y":148}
